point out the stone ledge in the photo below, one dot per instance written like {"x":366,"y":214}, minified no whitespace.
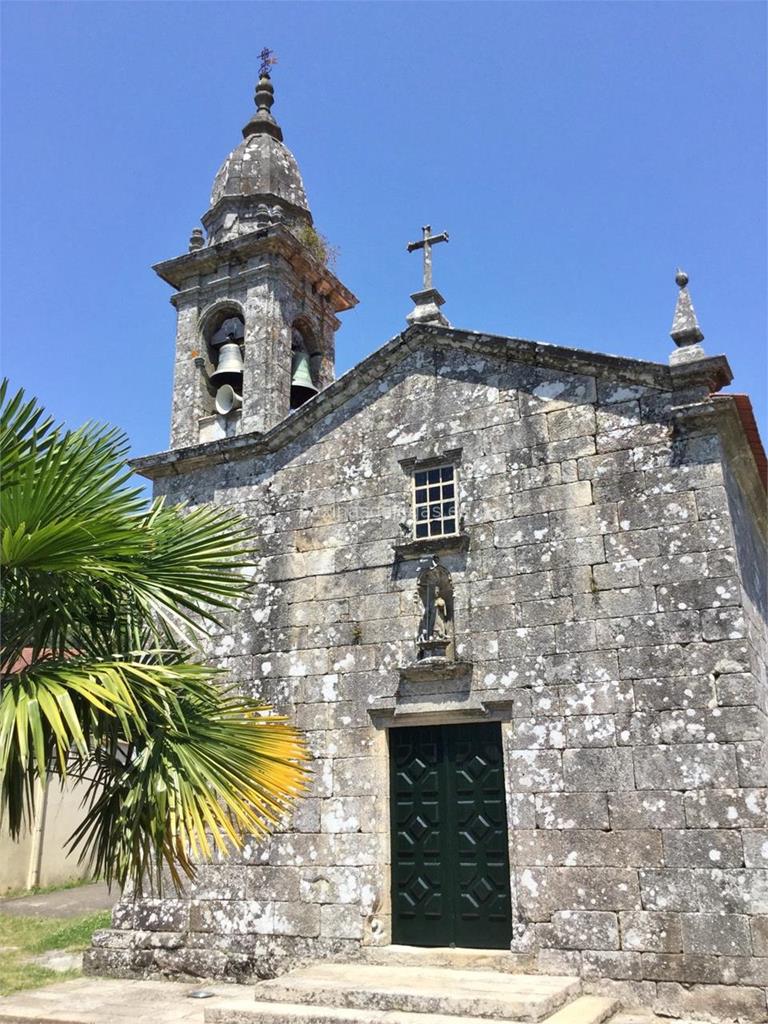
{"x":435,"y":670}
{"x":423,"y":546}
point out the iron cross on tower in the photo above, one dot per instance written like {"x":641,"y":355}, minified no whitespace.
{"x":426,"y":244}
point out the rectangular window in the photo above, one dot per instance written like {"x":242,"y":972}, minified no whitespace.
{"x":434,"y":502}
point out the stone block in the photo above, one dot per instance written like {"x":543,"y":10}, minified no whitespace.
{"x":675,"y":692}
{"x":593,"y":768}
{"x":230,"y":917}
{"x":733,"y":891}
{"x":699,"y":594}
{"x":736,"y":689}
{"x":340,"y":922}
{"x":669,"y":890}
{"x":571,"y":811}
{"x":537,"y":733}
{"x":583,"y":847}
{"x":657,"y":509}
{"x":156,"y":915}
{"x":535,"y":771}
{"x":555,"y":553}
{"x":715,"y":1002}
{"x":580,"y":929}
{"x":759,"y":932}
{"x":611,"y":604}
{"x":726,"y":808}
{"x":297,"y":919}
{"x":543,"y":890}
{"x":674,"y":568}
{"x":723,"y":624}
{"x":264,"y":883}
{"x":591,"y":731}
{"x":573,"y":637}
{"x":689,"y":766}
{"x":755,"y":847}
{"x":588,"y":697}
{"x":647,"y":809}
{"x":545,"y":499}
{"x":616,"y":575}
{"x":586,"y":521}
{"x":575,"y":421}
{"x":338,"y":885}
{"x":646,"y":931}
{"x":650,"y":662}
{"x":720,"y":934}
{"x":358,"y":848}
{"x":620,"y":965}
{"x":632,"y":544}
{"x":752,"y":761}
{"x":543,"y":613}
{"x":703,"y":848}
{"x":521,"y":810}
{"x":347,"y":813}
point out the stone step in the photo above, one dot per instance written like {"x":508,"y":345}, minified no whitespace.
{"x":484,"y":994}
{"x":447,"y":956}
{"x":583,"y":1010}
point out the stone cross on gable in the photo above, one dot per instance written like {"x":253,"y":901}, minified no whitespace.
{"x":426,"y":244}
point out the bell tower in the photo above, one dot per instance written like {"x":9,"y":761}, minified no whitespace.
{"x":256,"y":301}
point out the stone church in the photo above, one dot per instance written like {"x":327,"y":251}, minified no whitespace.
{"x":514,"y":594}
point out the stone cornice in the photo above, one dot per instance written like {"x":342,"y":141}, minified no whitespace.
{"x":719,"y":415}
{"x":276,"y":239}
{"x":516,"y":350}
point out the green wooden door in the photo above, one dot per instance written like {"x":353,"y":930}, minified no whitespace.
{"x":450,"y":859}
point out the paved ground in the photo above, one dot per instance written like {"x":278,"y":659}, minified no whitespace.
{"x":85,"y":899}
{"x":111,"y":1001}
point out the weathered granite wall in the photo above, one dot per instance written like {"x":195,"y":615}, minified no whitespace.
{"x":600,"y":605}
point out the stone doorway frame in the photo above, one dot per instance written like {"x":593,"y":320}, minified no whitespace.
{"x":391,"y":714}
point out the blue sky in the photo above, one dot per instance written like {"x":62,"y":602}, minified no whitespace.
{"x":576,"y":152}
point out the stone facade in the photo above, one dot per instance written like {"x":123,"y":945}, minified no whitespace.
{"x":611,"y":605}
{"x":609,"y":609}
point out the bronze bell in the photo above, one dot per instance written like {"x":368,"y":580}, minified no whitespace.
{"x":227,"y":400}
{"x":302,"y":386}
{"x":229,"y":368}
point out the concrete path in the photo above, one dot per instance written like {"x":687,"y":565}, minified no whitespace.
{"x":113,"y":1001}
{"x":85,"y":899}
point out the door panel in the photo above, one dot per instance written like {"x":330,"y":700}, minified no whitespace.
{"x":450,"y":862}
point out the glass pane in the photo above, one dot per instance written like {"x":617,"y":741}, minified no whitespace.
{"x":435,"y":511}
{"x":435,"y":528}
{"x":450,"y":525}
{"x":434,"y":476}
{"x":421,"y":495}
{"x":422,"y":512}
{"x":421,"y":479}
{"x":434,"y":494}
{"x":447,"y":472}
{"x":422,"y":529}
{"x":449,"y":508}
{"x":447,"y":490}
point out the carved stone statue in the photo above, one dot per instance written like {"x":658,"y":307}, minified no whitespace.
{"x":435,"y":588}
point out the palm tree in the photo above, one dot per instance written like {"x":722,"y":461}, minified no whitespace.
{"x":104,"y":599}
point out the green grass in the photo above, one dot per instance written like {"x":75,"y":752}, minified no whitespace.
{"x":37,"y":890}
{"x":32,"y":935}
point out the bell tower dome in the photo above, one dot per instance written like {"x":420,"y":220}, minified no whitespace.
{"x":256,"y":301}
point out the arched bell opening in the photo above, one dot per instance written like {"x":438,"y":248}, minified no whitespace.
{"x":305,"y":360}
{"x":224,"y":333}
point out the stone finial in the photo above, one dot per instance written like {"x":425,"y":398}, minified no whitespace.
{"x":685,"y":331}
{"x":196,"y":239}
{"x":262,"y":122}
